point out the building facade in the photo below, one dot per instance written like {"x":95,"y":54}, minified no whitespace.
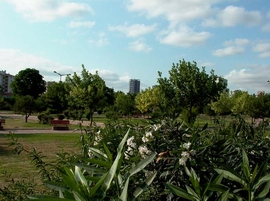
{"x":5,"y":81}
{"x":134,"y":86}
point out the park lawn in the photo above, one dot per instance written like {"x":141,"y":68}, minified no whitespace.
{"x":20,"y":166}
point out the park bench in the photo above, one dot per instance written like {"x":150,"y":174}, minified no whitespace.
{"x":3,"y":121}
{"x":60,"y":124}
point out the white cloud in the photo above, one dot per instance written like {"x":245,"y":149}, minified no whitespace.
{"x":78,"y":24}
{"x":175,"y":11}
{"x":134,"y":30}
{"x":228,"y":51}
{"x":184,"y":37}
{"x":251,"y":80}
{"x":113,"y":80}
{"x":232,"y":16}
{"x":232,"y":47}
{"x":13,"y":61}
{"x":263,"y":49}
{"x":266,"y":27}
{"x":49,"y":10}
{"x":102,"y":40}
{"x":139,"y":46}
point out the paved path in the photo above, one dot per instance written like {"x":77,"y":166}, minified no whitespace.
{"x":31,"y":131}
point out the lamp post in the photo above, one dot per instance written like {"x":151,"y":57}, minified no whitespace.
{"x":60,"y":75}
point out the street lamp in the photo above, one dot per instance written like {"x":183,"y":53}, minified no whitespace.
{"x":60,"y":75}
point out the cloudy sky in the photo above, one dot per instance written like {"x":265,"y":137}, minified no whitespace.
{"x":134,"y":39}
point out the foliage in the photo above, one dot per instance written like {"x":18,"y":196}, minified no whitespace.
{"x":190,"y":88}
{"x":148,"y":100}
{"x":87,"y":94}
{"x":44,"y":117}
{"x":125,"y":104}
{"x":56,"y":97}
{"x":28,"y":82}
{"x":25,"y":105}
{"x":223,"y":106}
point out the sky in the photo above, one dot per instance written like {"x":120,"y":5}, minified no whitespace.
{"x":134,"y":39}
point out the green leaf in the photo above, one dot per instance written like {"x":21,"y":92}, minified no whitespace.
{"x":264,"y":179}
{"x":79,"y":176}
{"x":98,"y":184}
{"x":143,"y":186}
{"x":56,"y":186}
{"x":179,"y":192}
{"x":111,"y":174}
{"x":124,"y":194}
{"x":98,"y":153}
{"x":142,"y":164}
{"x":91,"y":169}
{"x":225,"y":195}
{"x":245,"y":166}
{"x":265,"y":191}
{"x":109,"y":154}
{"x":231,"y":175}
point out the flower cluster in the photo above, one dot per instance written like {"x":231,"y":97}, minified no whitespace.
{"x":97,"y":138}
{"x":147,"y":137}
{"x":144,"y":151}
{"x":185,"y":155}
{"x":131,"y":146}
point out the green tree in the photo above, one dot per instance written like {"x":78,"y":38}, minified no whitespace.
{"x":125,"y":103}
{"x":56,"y":97}
{"x":148,"y":100}
{"x":240,"y":100}
{"x":87,"y":93}
{"x":25,"y":105}
{"x":223,"y":106}
{"x":190,"y":89}
{"x":28,"y":82}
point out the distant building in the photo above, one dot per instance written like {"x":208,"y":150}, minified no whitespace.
{"x":225,"y":82}
{"x":5,"y":81}
{"x":134,"y":86}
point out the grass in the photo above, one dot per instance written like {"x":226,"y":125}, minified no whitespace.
{"x":20,"y":166}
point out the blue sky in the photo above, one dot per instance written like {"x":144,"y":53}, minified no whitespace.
{"x":134,"y":39}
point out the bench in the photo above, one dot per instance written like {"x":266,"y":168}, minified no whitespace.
{"x":3,"y":121}
{"x":60,"y":124}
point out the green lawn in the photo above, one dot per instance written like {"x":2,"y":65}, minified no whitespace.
{"x":20,"y":166}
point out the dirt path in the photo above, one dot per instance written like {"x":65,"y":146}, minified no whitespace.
{"x":32,"y":131}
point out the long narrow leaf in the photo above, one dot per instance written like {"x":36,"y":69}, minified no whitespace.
{"x":179,"y":192}
{"x":109,"y":154}
{"x":245,"y":166}
{"x":124,"y":194}
{"x":231,"y":176}
{"x":143,"y":186}
{"x":113,"y":169}
{"x":142,"y":164}
{"x":265,"y":191}
{"x":98,"y":153}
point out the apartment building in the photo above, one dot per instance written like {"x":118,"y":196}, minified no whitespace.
{"x":5,"y":81}
{"x":134,"y":86}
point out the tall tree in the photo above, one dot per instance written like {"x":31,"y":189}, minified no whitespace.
{"x":87,"y":93}
{"x":223,"y":106}
{"x":191,"y":88}
{"x":148,"y":100}
{"x":56,"y":97}
{"x":28,"y":82}
{"x":25,"y":105}
{"x":125,"y":103}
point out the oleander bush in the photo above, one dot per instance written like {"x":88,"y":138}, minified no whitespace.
{"x":162,"y":160}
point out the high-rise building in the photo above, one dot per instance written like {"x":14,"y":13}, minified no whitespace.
{"x":134,"y":86}
{"x":5,"y":81}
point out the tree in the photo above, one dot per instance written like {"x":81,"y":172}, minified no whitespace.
{"x":190,"y":88}
{"x":87,"y":93}
{"x":56,"y":97}
{"x":125,"y":103}
{"x":223,"y":106}
{"x":28,"y":82}
{"x":148,"y":100}
{"x":25,"y":105}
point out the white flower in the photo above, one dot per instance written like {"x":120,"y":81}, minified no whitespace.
{"x":144,"y":151}
{"x":182,"y":161}
{"x":148,"y":135}
{"x":185,"y":154}
{"x":90,"y":154}
{"x":145,"y":139}
{"x":192,"y":152}
{"x":187,"y":145}
{"x":131,"y":143}
{"x":156,"y":127}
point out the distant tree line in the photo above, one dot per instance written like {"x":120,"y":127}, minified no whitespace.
{"x":186,"y":93}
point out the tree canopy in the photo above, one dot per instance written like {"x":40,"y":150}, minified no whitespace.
{"x":190,"y":88}
{"x":87,"y":93}
{"x":28,"y":82}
